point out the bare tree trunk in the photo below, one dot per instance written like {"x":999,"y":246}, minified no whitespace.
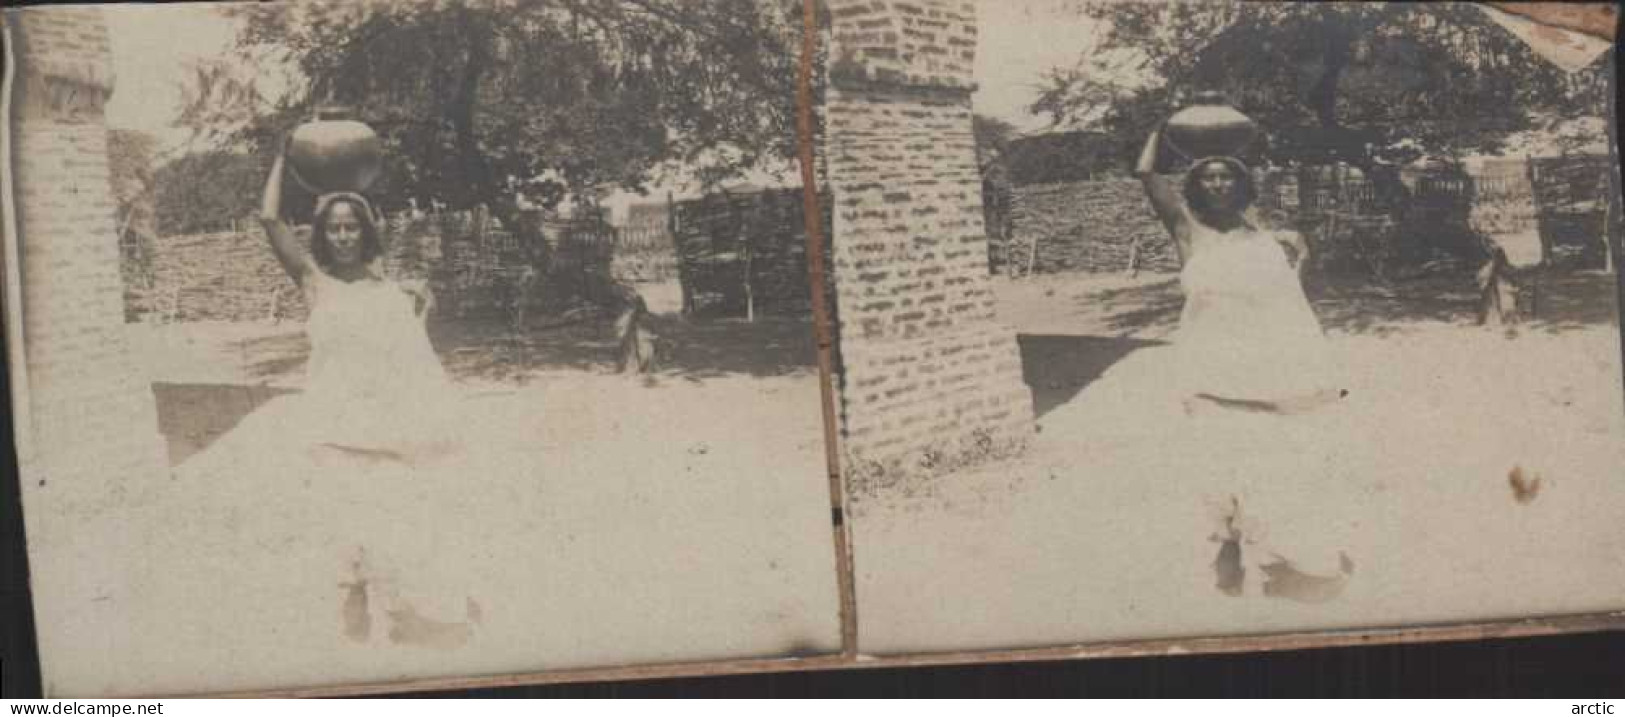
{"x":750,"y":285}
{"x":603,"y":288}
{"x":529,"y":234}
{"x":124,"y":224}
{"x":1032,"y":256}
{"x":1498,"y":295}
{"x":1608,"y":219}
{"x":637,"y":342}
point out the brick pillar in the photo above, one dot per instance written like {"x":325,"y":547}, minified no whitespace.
{"x":95,"y":433}
{"x":930,"y":379}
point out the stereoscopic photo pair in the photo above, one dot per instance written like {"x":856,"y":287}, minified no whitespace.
{"x":386,"y":345}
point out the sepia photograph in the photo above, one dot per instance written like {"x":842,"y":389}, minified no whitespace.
{"x":1163,"y":320}
{"x":372,"y":345}
{"x":359,"y":342}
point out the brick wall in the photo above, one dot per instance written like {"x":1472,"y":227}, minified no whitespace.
{"x":926,"y":44}
{"x":94,"y":441}
{"x":930,"y":380}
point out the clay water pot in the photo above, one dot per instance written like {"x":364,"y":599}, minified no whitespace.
{"x":335,"y":154}
{"x":1209,"y":127}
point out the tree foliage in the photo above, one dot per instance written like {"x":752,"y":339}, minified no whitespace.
{"x":201,"y":191}
{"x":1372,"y":84}
{"x":479,"y":102}
{"x":131,"y":156}
{"x":993,"y":137}
{"x":218,"y":96}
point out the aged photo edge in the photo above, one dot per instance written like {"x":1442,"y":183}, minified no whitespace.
{"x":1213,"y":645}
{"x":851,"y":656}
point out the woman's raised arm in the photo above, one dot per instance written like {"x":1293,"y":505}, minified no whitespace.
{"x":1163,"y":192}
{"x":283,"y":244}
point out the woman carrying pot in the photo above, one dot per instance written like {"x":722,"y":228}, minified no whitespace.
{"x":373,"y":375}
{"x":1247,"y":328}
{"x":364,"y":474}
{"x":1224,"y":420}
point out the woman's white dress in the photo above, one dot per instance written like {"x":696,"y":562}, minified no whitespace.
{"x":370,"y":461}
{"x":374,"y":382}
{"x":1237,"y":413}
{"x":1247,"y":331}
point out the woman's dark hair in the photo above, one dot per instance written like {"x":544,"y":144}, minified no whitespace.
{"x":1197,"y":199}
{"x":321,"y":249}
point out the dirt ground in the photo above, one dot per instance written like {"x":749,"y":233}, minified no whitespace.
{"x":1072,"y":327}
{"x":1082,"y":539}
{"x":208,"y":375}
{"x":1425,"y":480}
{"x":595,"y":519}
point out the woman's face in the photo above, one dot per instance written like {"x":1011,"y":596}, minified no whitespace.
{"x":1221,"y":185}
{"x":344,"y":233}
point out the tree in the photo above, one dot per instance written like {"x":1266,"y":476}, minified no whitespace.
{"x":481,"y":102}
{"x":200,"y":191}
{"x":131,"y":156}
{"x":130,"y":159}
{"x":218,"y":97}
{"x":508,"y":102}
{"x":1375,"y":85}
{"x":993,"y":138}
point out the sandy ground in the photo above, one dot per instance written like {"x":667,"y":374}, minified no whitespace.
{"x":608,"y":521}
{"x":1094,"y":535}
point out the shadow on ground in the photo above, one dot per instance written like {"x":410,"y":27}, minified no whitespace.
{"x":1113,"y":318}
{"x":773,"y":346}
{"x":1554,"y":301}
{"x":691,"y":349}
{"x":489,"y":350}
{"x":274,"y":356}
{"x":192,"y":416}
{"x":1132,"y":309}
{"x":1358,"y":305}
{"x":1565,"y":302}
{"x":1056,"y":368}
